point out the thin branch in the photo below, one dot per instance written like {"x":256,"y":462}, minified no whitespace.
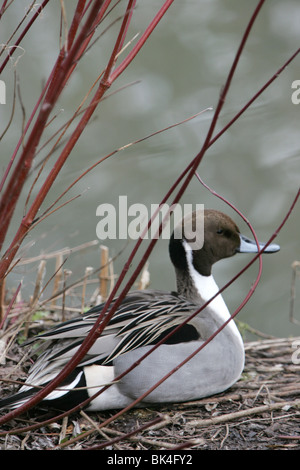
{"x":59,"y":76}
{"x":191,"y":168}
{"x":124,"y":64}
{"x":243,"y":413}
{"x":114,"y":152}
{"x":10,"y":119}
{"x":94,"y":333}
{"x":25,"y":31}
{"x":77,"y":17}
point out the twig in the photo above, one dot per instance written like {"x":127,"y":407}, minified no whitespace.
{"x":95,"y":331}
{"x":116,"y":151}
{"x":157,"y":423}
{"x":10,"y":305}
{"x":62,"y":252}
{"x":57,"y":277}
{"x":242,"y":413}
{"x":66,"y":274}
{"x":88,"y":271}
{"x":38,"y":283}
{"x":2,"y":300}
{"x":63,"y":431}
{"x":103,"y":275}
{"x":60,"y":74}
{"x":64,"y":42}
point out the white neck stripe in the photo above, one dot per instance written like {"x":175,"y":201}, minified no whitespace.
{"x":206,"y":286}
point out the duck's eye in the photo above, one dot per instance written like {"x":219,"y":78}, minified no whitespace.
{"x":220,"y":231}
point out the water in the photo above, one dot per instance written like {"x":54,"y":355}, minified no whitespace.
{"x":255,"y":164}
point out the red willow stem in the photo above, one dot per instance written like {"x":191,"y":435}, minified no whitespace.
{"x":4,"y":178}
{"x":78,"y":407}
{"x":77,"y":17}
{"x":81,"y":48}
{"x":90,"y":110}
{"x":189,"y":166}
{"x":246,"y":299}
{"x":9,"y":166}
{"x":225,"y":128}
{"x":105,"y":82}
{"x":88,"y":113}
{"x":3,"y":8}
{"x":254,"y":98}
{"x":21,"y":170}
{"x":102,"y":159}
{"x":18,"y":178}
{"x":221,"y":101}
{"x":141,"y":41}
{"x":95,"y":331}
{"x":91,"y":337}
{"x":24,"y":227}
{"x":194,"y":164}
{"x":28,"y":219}
{"x":252,"y":261}
{"x":101,"y":322}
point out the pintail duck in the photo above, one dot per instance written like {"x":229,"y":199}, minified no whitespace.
{"x":144,"y":318}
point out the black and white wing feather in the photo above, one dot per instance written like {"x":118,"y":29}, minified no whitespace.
{"x":143,"y":318}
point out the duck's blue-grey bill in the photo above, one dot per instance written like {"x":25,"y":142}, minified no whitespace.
{"x":249,"y":246}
